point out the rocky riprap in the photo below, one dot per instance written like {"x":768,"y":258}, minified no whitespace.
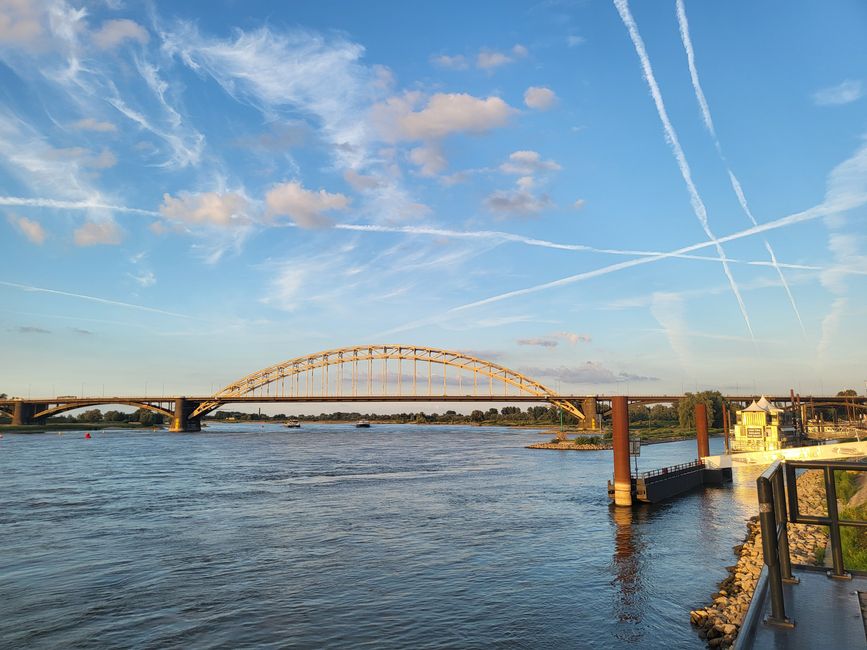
{"x":568,"y":445}
{"x":720,"y":622}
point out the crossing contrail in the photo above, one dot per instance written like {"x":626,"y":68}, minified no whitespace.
{"x":71,"y":205}
{"x":708,"y":122}
{"x":80,"y":296}
{"x":698,"y":206}
{"x":816,"y":212}
{"x":543,"y":243}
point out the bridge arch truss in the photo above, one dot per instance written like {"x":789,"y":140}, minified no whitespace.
{"x":370,"y":371}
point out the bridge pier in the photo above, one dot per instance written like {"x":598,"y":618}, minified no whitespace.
{"x":181,"y":420}
{"x":701,"y":430}
{"x":23,"y":412}
{"x":620,"y":440}
{"x":588,"y":406}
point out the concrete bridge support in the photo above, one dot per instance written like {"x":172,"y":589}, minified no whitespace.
{"x":23,"y":412}
{"x":701,"y":430}
{"x":181,"y":421}
{"x":588,"y":407}
{"x":620,"y":439}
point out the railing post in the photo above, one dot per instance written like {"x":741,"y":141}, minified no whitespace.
{"x":839,"y":571}
{"x":768,"y":523}
{"x":782,"y":520}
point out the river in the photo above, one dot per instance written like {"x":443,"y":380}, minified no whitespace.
{"x":397,"y":536}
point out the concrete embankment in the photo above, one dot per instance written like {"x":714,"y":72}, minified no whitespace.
{"x":720,"y":622}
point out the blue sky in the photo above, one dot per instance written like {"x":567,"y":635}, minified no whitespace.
{"x":611,"y":197}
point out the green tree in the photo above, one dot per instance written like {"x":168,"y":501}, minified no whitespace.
{"x":93,"y":415}
{"x":849,"y":392}
{"x":712,"y":399}
{"x":477,"y":416}
{"x":115,"y":416}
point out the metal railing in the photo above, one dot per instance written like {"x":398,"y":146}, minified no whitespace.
{"x":674,"y":469}
{"x":778,"y":507}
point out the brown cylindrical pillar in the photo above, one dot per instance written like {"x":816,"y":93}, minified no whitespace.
{"x":726,"y":425}
{"x":18,"y":415}
{"x":701,"y":430}
{"x":620,"y":440}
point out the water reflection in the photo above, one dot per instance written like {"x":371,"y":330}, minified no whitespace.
{"x":626,"y":564}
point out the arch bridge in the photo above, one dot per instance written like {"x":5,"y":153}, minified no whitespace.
{"x":368,"y":373}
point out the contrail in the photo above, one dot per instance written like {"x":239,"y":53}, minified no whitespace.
{"x":816,"y":212}
{"x":105,"y":301}
{"x":530,"y":241}
{"x":708,"y":122}
{"x":72,"y":205}
{"x":698,"y":206}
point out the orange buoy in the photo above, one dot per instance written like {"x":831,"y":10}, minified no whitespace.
{"x":87,"y":436}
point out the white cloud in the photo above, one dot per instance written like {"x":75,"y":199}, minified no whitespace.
{"x":144,"y":279}
{"x":517,"y":203}
{"x":668,"y":309}
{"x":114,"y":32}
{"x":429,"y":159}
{"x":542,"y":342}
{"x":590,"y":372}
{"x":553,"y":340}
{"x":223,"y":209}
{"x":103,"y":160}
{"x":457,"y":62}
{"x":21,"y":23}
{"x":361,"y":182}
{"x":579,"y":204}
{"x":93,"y":233}
{"x":540,"y":98}
{"x":574,"y":41}
{"x":490,"y":59}
{"x":573,"y":338}
{"x":307,"y":208}
{"x":843,"y":93}
{"x":90,"y":124}
{"x":444,"y":114}
{"x":33,"y":230}
{"x":525,"y":163}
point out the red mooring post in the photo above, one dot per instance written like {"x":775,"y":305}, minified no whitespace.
{"x":620,"y":440}
{"x":701,"y":430}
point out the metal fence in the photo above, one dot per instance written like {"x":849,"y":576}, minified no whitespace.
{"x":778,"y":507}
{"x":674,"y":469}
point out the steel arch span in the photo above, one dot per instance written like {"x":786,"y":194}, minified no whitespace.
{"x":357,"y":371}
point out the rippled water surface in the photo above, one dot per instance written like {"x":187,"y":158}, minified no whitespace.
{"x":394,"y":536}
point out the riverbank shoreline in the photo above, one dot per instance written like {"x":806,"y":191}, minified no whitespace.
{"x":72,"y":426}
{"x":720,"y":622}
{"x":568,"y":445}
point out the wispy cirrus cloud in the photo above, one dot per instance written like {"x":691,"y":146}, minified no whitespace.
{"x":845,"y":92}
{"x":589,"y":372}
{"x":29,"y":329}
{"x":553,"y":340}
